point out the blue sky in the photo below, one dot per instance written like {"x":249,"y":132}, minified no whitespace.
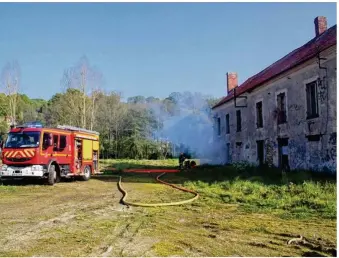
{"x":153,"y":49}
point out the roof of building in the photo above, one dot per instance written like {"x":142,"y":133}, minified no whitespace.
{"x":296,"y":57}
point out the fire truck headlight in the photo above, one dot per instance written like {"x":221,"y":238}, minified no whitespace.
{"x":4,"y":167}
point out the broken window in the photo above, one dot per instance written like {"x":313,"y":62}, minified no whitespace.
{"x":227,"y":124}
{"x":313,"y":138}
{"x":238,"y":121}
{"x":259,"y":115}
{"x":312,"y":100}
{"x":281,"y":101}
{"x":218,"y":125}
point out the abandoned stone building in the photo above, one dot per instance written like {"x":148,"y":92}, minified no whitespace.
{"x":286,"y":114}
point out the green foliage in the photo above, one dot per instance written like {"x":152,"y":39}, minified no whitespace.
{"x":3,"y":127}
{"x":242,"y":166}
{"x":4,"y":109}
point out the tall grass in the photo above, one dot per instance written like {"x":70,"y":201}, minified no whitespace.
{"x":304,"y":200}
{"x":302,"y":194}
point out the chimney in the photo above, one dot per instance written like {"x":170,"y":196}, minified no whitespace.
{"x":232,"y":81}
{"x":320,"y":24}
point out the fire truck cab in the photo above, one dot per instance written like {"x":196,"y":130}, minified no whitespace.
{"x":32,"y":151}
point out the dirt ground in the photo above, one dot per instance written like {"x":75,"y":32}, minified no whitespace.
{"x":86,"y":219}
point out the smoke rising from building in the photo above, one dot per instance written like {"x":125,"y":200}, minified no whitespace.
{"x":188,"y":125}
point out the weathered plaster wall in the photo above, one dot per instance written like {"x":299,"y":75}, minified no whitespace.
{"x":302,"y":152}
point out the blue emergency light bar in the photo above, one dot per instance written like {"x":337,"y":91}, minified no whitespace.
{"x":35,"y":124}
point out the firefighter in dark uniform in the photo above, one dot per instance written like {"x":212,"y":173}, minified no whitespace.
{"x":181,"y":160}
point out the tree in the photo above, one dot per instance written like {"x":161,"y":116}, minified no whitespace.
{"x":95,"y":95}
{"x":84,"y":78}
{"x":10,"y":80}
{"x":65,"y":108}
{"x":111,"y":118}
{"x":136,"y":100}
{"x":152,"y":99}
{"x":4,"y":107}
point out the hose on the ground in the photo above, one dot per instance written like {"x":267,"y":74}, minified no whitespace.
{"x":125,"y":194}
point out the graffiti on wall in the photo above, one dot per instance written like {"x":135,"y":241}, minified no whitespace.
{"x":314,"y":159}
{"x":294,"y":107}
{"x":322,"y":91}
{"x":297,"y":154}
{"x":331,"y":152}
{"x":311,"y":126}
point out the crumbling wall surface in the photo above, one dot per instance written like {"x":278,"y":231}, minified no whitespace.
{"x":303,"y":153}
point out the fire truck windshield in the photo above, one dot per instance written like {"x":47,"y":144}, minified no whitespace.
{"x":23,"y":140}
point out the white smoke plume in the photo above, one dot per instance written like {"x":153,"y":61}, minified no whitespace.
{"x":190,"y":124}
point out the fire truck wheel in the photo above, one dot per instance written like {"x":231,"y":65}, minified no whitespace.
{"x":52,"y":175}
{"x":87,"y":173}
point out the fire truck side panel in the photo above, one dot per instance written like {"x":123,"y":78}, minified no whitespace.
{"x":84,"y":152}
{"x":60,"y":151}
{"x":87,"y":150}
{"x":96,"y":156}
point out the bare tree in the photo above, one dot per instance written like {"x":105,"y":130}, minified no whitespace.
{"x":10,"y":80}
{"x":96,"y":92}
{"x":87,"y":80}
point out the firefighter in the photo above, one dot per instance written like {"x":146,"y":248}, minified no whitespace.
{"x":181,"y":160}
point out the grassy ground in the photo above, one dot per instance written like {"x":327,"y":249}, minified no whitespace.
{"x":241,"y":212}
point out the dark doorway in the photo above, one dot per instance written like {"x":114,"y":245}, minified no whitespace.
{"x":260,"y":152}
{"x":283,"y":153}
{"x":228,"y":154}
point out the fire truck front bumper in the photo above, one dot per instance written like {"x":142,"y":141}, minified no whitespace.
{"x":35,"y":171}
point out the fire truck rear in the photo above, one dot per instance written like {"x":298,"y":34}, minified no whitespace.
{"x":32,"y":151}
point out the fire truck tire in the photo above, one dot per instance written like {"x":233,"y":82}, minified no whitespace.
{"x":52,"y":175}
{"x":87,"y":173}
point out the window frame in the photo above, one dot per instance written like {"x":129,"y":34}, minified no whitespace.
{"x":238,"y":119}
{"x":62,"y":136}
{"x":218,"y":126}
{"x":227,"y":122}
{"x":44,"y":142}
{"x":29,"y":134}
{"x":283,"y":113}
{"x":309,"y":104}
{"x":263,"y":151}
{"x":261,"y":117}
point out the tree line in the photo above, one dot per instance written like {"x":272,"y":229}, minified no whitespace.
{"x":128,"y":129}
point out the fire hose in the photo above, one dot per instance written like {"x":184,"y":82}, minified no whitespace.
{"x":125,"y":195}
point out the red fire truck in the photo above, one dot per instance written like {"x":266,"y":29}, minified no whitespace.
{"x":32,"y":151}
